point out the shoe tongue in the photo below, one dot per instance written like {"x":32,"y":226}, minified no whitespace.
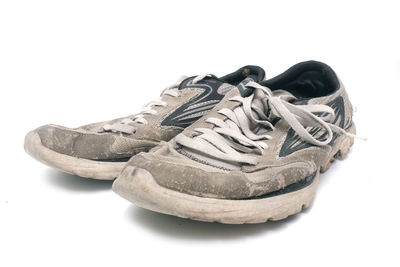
{"x":241,"y":76}
{"x":255,"y":73}
{"x":243,"y":89}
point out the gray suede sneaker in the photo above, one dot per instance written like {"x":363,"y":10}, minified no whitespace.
{"x":100,"y":150}
{"x":255,"y":157}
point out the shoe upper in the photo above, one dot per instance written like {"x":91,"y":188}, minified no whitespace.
{"x":259,"y":139}
{"x":178,"y":107}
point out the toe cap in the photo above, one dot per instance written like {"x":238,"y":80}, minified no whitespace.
{"x":220,"y":184}
{"x":192,"y":180}
{"x":87,"y":144}
{"x":74,"y":142}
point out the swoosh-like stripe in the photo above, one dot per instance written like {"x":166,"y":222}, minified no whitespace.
{"x":293,"y":142}
{"x":195,"y":110}
{"x":209,"y":94}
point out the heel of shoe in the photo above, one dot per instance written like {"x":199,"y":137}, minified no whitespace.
{"x":340,"y":149}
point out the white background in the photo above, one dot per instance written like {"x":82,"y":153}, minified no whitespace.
{"x":76,"y":62}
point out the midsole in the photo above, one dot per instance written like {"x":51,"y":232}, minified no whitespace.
{"x":138,"y":186}
{"x":78,"y":166}
{"x":290,"y":188}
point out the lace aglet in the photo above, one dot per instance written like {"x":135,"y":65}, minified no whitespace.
{"x":357,"y":137}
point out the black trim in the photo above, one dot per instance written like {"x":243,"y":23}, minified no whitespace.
{"x":289,"y":147}
{"x":112,"y":160}
{"x":210,"y":86}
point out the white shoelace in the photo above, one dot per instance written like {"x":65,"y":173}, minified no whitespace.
{"x":124,"y":126}
{"x":236,"y":138}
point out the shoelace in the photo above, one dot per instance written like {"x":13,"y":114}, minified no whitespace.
{"x":124,"y":126}
{"x":236,"y":138}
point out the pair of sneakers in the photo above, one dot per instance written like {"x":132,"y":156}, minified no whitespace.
{"x":234,"y":149}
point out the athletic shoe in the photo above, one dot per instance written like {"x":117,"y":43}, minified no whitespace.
{"x":100,"y":150}
{"x":255,"y":157}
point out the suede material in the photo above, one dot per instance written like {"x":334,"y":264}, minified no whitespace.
{"x":88,"y":145}
{"x":273,"y":172}
{"x":190,"y":179}
{"x":93,"y":142}
{"x":175,"y":171}
{"x":90,"y":142}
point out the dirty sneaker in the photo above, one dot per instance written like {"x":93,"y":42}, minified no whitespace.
{"x":255,"y":157}
{"x":100,"y":150}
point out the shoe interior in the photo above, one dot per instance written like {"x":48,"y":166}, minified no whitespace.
{"x":306,"y":80}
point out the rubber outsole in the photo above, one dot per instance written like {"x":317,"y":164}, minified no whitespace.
{"x":138,"y":186}
{"x":82,"y":167}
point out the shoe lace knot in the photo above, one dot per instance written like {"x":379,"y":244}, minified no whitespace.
{"x":243,"y":131}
